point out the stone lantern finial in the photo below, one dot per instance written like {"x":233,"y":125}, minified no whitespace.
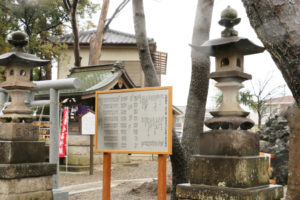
{"x":18,"y":39}
{"x":229,"y":19}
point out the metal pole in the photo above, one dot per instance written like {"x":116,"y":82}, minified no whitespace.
{"x":67,"y":143}
{"x":3,"y":98}
{"x":60,"y":84}
{"x":54,"y":133}
{"x":91,"y":154}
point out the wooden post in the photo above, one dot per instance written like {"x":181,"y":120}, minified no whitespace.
{"x":162,"y":176}
{"x":91,"y":154}
{"x":106,"y":176}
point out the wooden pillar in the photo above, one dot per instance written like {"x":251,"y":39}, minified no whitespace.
{"x":162,"y":176}
{"x":91,"y":154}
{"x":106,"y":176}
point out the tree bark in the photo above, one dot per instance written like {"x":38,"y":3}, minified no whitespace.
{"x":77,"y":57}
{"x":179,"y":164}
{"x":259,"y":120}
{"x":277,"y":24}
{"x":195,"y":111}
{"x":96,"y":40}
{"x":293,"y":115}
{"x":71,"y":9}
{"x":151,"y":78}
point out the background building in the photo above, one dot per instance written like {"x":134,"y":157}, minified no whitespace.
{"x":117,"y":46}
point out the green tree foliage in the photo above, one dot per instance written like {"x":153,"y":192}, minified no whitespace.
{"x":40,"y":20}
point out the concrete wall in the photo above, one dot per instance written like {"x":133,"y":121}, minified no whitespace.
{"x":79,"y":152}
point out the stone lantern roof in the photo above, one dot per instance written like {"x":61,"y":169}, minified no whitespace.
{"x":17,"y":57}
{"x":229,"y":39}
{"x":239,"y":44}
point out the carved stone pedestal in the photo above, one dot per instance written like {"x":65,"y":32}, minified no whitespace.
{"x":23,"y":173}
{"x":231,"y":169}
{"x":229,"y":177}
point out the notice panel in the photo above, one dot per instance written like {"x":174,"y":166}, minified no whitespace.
{"x":134,"y":120}
{"x":88,"y":124}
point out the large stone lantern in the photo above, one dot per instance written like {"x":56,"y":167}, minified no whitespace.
{"x":229,"y":165}
{"x":23,"y":172}
{"x":18,"y":67}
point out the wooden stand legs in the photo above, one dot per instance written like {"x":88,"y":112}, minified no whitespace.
{"x":162,"y":176}
{"x":106,"y":176}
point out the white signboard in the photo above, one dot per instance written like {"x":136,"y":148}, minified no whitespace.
{"x":134,"y":120}
{"x":88,"y":124}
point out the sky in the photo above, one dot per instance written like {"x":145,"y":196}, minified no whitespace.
{"x":170,"y":23}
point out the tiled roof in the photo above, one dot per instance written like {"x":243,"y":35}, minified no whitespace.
{"x":110,"y":37}
{"x":93,"y":78}
{"x":281,"y":100}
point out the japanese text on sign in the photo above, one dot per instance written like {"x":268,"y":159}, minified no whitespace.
{"x":137,"y":120}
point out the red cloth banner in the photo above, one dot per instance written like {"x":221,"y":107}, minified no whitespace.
{"x":63,"y":133}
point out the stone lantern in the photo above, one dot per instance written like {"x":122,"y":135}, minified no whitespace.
{"x":18,"y":67}
{"x":229,"y":165}
{"x":23,"y":172}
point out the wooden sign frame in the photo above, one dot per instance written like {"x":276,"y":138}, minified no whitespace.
{"x":169,"y":137}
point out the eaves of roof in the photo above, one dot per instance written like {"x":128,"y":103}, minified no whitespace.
{"x":93,"y":78}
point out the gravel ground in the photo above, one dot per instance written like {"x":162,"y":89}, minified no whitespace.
{"x":124,"y":189}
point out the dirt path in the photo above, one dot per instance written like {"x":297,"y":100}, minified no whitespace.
{"x":136,"y":180}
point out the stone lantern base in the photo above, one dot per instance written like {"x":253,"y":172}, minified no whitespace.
{"x":26,"y":181}
{"x":229,"y":168}
{"x":206,"y":192}
{"x":218,"y":177}
{"x":23,"y":173}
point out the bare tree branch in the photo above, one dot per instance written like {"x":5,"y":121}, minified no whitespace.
{"x":117,"y":11}
{"x":96,"y":40}
{"x":67,"y":5}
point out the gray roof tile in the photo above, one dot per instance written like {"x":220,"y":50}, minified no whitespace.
{"x":110,"y":37}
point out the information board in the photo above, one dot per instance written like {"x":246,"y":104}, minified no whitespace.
{"x":88,"y":124}
{"x":134,"y":120}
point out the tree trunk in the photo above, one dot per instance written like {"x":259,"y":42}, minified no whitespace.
{"x":151,"y":78}
{"x":96,"y":40}
{"x":277,"y":24}
{"x":177,"y":158}
{"x":195,"y":111}
{"x":77,"y":57}
{"x":293,"y":115}
{"x":179,"y":164}
{"x":259,"y":120}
